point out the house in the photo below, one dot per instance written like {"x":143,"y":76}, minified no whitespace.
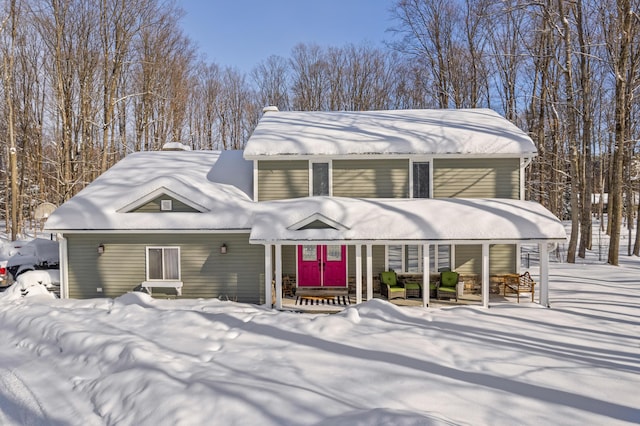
{"x":330,"y":198}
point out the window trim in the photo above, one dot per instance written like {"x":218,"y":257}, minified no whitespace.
{"x":163,"y":248}
{"x":428,"y":160}
{"x":329,"y":171}
{"x":435,"y":258}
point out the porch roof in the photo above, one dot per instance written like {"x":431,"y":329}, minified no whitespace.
{"x":329,"y":219}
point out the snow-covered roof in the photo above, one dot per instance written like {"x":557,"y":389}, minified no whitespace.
{"x":218,"y":184}
{"x":446,"y":219}
{"x":399,"y":132}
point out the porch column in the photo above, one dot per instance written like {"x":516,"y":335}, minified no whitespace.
{"x":485,"y":275}
{"x":358,"y":273}
{"x":278,"y":276}
{"x":544,"y":274}
{"x":369,"y":272}
{"x":268,"y":276}
{"x":425,"y":275}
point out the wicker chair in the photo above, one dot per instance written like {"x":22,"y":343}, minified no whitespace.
{"x":391,"y":287}
{"x":448,"y":286}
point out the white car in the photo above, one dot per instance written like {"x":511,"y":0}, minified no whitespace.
{"x":7,"y":250}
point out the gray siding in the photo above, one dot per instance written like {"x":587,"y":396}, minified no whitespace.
{"x":477,"y":178}
{"x":154,"y":206}
{"x":237,"y":275}
{"x":278,"y":180}
{"x":371,"y":178}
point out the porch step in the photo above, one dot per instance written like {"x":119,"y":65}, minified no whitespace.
{"x":321,"y":291}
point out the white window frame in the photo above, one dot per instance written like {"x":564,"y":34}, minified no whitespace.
{"x":163,"y":248}
{"x":166,"y":205}
{"x":421,"y":160}
{"x":330,"y":171}
{"x":420,"y":257}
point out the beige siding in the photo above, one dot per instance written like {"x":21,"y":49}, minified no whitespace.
{"x":279,"y":180}
{"x":477,"y":178}
{"x":371,"y":178}
{"x":154,"y":206}
{"x":377,"y":253}
{"x":502,"y":259}
{"x":468,"y":259}
{"x":205,"y":272}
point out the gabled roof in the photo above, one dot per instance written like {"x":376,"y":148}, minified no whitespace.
{"x":394,"y":132}
{"x":217,"y":184}
{"x":404,"y":220}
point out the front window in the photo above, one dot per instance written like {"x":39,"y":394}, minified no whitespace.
{"x":163,"y":263}
{"x":408,"y":258}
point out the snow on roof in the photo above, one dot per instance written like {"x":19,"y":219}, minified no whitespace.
{"x":446,"y":131}
{"x":220,"y":183}
{"x":451,"y":219}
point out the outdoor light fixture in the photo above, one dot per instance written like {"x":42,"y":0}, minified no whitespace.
{"x":223,"y":249}
{"x":101,"y":249}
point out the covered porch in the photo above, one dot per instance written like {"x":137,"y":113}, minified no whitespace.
{"x":365,"y":224}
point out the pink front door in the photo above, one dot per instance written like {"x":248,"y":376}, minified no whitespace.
{"x":322,"y":266}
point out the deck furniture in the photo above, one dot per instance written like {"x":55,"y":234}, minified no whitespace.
{"x":524,"y":284}
{"x":448,"y":285}
{"x":391,"y":287}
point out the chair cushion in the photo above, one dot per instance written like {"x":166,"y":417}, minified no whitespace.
{"x":447,"y":289}
{"x":449,"y":279}
{"x":412,"y":286}
{"x":396,"y":289}
{"x":389,"y":277}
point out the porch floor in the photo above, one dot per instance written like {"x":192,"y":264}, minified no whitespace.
{"x":289,"y":303}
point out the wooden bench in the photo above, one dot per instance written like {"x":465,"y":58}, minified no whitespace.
{"x":524,"y":284}
{"x":148,"y":285}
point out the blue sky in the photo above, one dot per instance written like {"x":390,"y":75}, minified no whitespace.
{"x":241,"y":33}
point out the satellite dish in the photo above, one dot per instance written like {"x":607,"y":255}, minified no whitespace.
{"x":44,"y":210}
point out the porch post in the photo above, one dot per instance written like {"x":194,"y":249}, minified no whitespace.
{"x":358,"y":273}
{"x":268,"y":274}
{"x":544,"y":274}
{"x":485,"y":275}
{"x":369,"y":272}
{"x":278,"y":276}
{"x":425,"y":275}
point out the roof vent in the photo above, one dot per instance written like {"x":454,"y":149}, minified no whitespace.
{"x":270,"y":108}
{"x":175,"y":146}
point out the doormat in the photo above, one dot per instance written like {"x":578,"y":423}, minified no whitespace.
{"x":322,"y":301}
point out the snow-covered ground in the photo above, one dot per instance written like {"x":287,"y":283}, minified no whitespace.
{"x":137,"y":360}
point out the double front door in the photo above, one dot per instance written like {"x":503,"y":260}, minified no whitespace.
{"x":322,"y":266}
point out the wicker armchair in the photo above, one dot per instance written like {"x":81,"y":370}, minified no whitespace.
{"x":391,"y":287}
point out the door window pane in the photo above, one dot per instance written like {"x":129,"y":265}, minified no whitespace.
{"x":334,"y":253}
{"x":320,"y":178}
{"x":420,"y":180}
{"x":309,"y":253}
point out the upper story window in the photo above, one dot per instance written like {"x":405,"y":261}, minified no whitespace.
{"x":421,"y":180}
{"x":319,"y":179}
{"x":163,"y":263}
